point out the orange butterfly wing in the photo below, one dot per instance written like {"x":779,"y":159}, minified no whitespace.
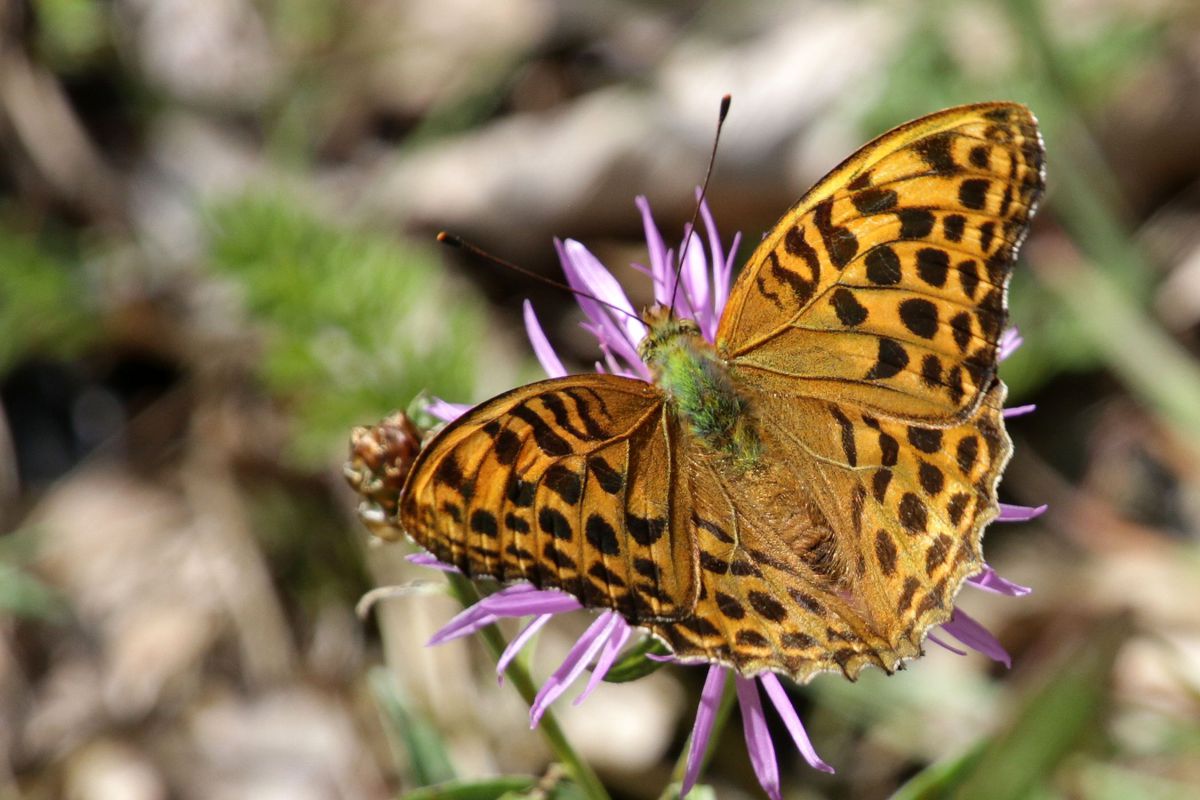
{"x":571,"y":483}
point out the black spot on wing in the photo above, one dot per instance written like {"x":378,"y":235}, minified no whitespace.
{"x":920,"y":316}
{"x":883,"y":266}
{"x":874,"y":200}
{"x":840,"y":242}
{"x":549,"y":441}
{"x":563,"y":419}
{"x":927,"y":440}
{"x":601,"y":535}
{"x":848,"y":446}
{"x":891,"y":359}
{"x":913,"y":515}
{"x":645,"y":530}
{"x":767,"y":606}
{"x":915,"y":223}
{"x":933,"y":265}
{"x":889,"y":450}
{"x":966,"y":453}
{"x":553,"y":522}
{"x":931,"y":370}
{"x":713,"y":528}
{"x":936,"y":150}
{"x":972,"y":193}
{"x":484,"y":523}
{"x":849,"y":311}
{"x":611,"y":481}
{"x":987,"y":232}
{"x":886,"y":552}
{"x":519,"y":492}
{"x":563,"y":482}
{"x":583,"y":409}
{"x":953,"y":226}
{"x":506,"y":445}
{"x":931,"y":478}
{"x":968,"y":274}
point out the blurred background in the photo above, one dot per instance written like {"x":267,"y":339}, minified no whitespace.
{"x":216,"y":257}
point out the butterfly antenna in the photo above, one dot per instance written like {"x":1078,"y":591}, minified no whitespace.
{"x":450,"y":240}
{"x":691,"y":228}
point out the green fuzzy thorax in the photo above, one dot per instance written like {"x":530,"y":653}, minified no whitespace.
{"x":698,"y":387}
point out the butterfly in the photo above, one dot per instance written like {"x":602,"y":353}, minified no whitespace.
{"x":809,"y":491}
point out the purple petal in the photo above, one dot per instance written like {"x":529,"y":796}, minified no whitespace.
{"x":706,"y":716}
{"x":1010,"y":340}
{"x":721,"y":269}
{"x":517,"y":643}
{"x":581,"y":653}
{"x":541,"y":345}
{"x":1011,"y":513}
{"x":695,"y":279}
{"x":521,"y":600}
{"x":758,"y":738}
{"x":968,"y":631}
{"x":715,"y":252}
{"x":430,"y":560}
{"x":585,"y":273}
{"x":723,"y":280}
{"x":659,"y":270}
{"x":791,"y":719}
{"x":446,"y":412}
{"x":669,"y":280}
{"x":990,"y":581}
{"x":933,"y":638}
{"x":508,"y":603}
{"x":1017,"y":411}
{"x":608,"y":655}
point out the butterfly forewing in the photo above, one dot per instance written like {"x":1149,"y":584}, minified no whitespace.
{"x":567,"y":483}
{"x":885,"y":285}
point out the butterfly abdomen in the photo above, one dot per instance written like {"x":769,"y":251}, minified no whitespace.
{"x":700,"y":391}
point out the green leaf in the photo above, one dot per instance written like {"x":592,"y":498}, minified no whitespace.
{"x":701,"y":791}
{"x":939,"y":780}
{"x":505,"y":786}
{"x":635,"y":663}
{"x":41,"y":303}
{"x":354,"y":324}
{"x":1052,"y":722}
{"x":409,"y":732}
{"x":23,"y":595}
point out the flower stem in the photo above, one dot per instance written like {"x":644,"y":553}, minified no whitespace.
{"x":722,"y":717}
{"x":464,"y":591}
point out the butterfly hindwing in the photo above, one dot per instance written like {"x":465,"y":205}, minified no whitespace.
{"x":771,"y":595}
{"x":885,"y":285}
{"x":568,"y":483}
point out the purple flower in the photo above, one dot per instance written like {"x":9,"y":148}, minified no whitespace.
{"x":704,"y":288}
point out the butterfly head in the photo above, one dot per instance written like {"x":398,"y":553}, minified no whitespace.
{"x":663,"y":328}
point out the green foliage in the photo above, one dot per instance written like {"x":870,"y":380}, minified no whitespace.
{"x":42,"y":310}
{"x":415,"y":741}
{"x":355,"y":324}
{"x":505,"y":787}
{"x":22,"y":593}
{"x":1050,"y":725}
{"x":69,"y":31}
